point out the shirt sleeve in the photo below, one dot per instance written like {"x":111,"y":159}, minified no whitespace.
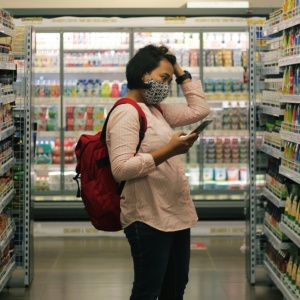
{"x":195,"y":110}
{"x":122,"y":139}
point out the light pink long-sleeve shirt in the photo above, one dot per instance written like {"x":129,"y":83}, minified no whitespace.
{"x":156,"y":195}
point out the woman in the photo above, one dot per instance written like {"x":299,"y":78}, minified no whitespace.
{"x":156,"y":208}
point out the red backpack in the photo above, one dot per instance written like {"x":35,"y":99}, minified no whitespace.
{"x":99,"y":190}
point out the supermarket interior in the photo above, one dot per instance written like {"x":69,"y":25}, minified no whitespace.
{"x":62,"y":68}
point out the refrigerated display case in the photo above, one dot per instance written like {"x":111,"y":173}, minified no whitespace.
{"x":80,"y":73}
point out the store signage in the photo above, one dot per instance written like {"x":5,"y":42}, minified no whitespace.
{"x":141,"y":22}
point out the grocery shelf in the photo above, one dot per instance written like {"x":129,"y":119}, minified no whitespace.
{"x":273,"y":198}
{"x":275,"y":152}
{"x":275,"y":70}
{"x":281,"y":25}
{"x":7,"y":235}
{"x":278,"y":280}
{"x":271,"y":110}
{"x":7,"y":132}
{"x":290,"y":98}
{"x":6,"y":199}
{"x":289,"y":173}
{"x":290,"y":233}
{"x":48,"y":134}
{"x":289,"y":136}
{"x":5,"y":31}
{"x":274,"y":239}
{"x":46,"y":167}
{"x":290,"y":60}
{"x":46,"y":100}
{"x":95,"y":69}
{"x":6,"y":166}
{"x":6,"y":273}
{"x":5,"y":99}
{"x":227,"y":132}
{"x":46,"y":70}
{"x":4,"y":65}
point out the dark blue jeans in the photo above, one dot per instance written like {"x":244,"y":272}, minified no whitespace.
{"x":161,"y":262}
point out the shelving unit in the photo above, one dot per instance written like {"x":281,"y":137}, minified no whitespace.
{"x":24,"y":144}
{"x":285,"y":182}
{"x":7,"y":161}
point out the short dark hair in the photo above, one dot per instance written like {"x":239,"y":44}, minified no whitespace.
{"x":145,"y":61}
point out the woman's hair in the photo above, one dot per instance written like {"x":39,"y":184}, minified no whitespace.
{"x":145,"y":61}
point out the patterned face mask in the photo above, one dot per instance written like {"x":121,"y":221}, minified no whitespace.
{"x":157,"y":92}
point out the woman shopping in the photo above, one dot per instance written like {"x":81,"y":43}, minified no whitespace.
{"x":157,"y":211}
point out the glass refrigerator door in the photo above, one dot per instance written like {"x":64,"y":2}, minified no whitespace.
{"x":225,"y":143}
{"x":186,"y":47}
{"x":47,"y":169}
{"x":93,"y":79}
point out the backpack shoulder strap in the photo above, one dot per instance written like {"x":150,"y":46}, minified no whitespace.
{"x":142,"y":118}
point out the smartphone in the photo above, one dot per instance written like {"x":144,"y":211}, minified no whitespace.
{"x":202,"y":126}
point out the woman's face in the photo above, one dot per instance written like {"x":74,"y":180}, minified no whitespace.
{"x":163,"y":73}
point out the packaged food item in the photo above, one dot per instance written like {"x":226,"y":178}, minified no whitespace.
{"x":220,"y":174}
{"x":232,"y":174}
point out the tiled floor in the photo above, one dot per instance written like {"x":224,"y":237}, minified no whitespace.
{"x":100,"y":268}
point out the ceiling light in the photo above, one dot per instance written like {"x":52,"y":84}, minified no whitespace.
{"x":218,"y":4}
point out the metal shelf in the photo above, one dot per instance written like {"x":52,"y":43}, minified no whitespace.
{"x":289,"y":174}
{"x":277,"y":153}
{"x":7,"y":132}
{"x":273,"y":198}
{"x":288,"y":295}
{"x":5,"y":167}
{"x":6,"y":199}
{"x":290,"y":99}
{"x":6,"y":274}
{"x":291,"y":60}
{"x":9,"y":234}
{"x":274,"y":239}
{"x":290,"y":233}
{"x":289,"y":136}
{"x":270,"y":110}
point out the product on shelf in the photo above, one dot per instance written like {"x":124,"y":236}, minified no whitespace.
{"x":43,"y":153}
{"x":85,"y":118}
{"x":291,"y":156}
{"x":46,"y":117}
{"x":272,"y":220}
{"x":230,"y":118}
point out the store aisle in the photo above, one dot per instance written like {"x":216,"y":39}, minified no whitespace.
{"x":99,"y":268}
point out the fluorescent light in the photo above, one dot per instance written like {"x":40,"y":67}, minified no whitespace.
{"x":218,"y":4}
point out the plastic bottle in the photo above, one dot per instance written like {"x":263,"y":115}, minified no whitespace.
{"x":97,"y":88}
{"x":115,"y":89}
{"x":291,"y":80}
{"x":81,"y":88}
{"x":89,"y":87}
{"x":297,"y":124}
{"x":105,"y":89}
{"x":74,"y":88}
{"x":124,"y":89}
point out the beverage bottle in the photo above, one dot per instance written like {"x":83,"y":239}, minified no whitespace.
{"x":90,"y":88}
{"x":291,"y":80}
{"x":73,"y":88}
{"x":124,"y":89}
{"x":297,"y":123}
{"x":37,"y":88}
{"x":294,"y":274}
{"x":97,"y":88}
{"x":288,"y":274}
